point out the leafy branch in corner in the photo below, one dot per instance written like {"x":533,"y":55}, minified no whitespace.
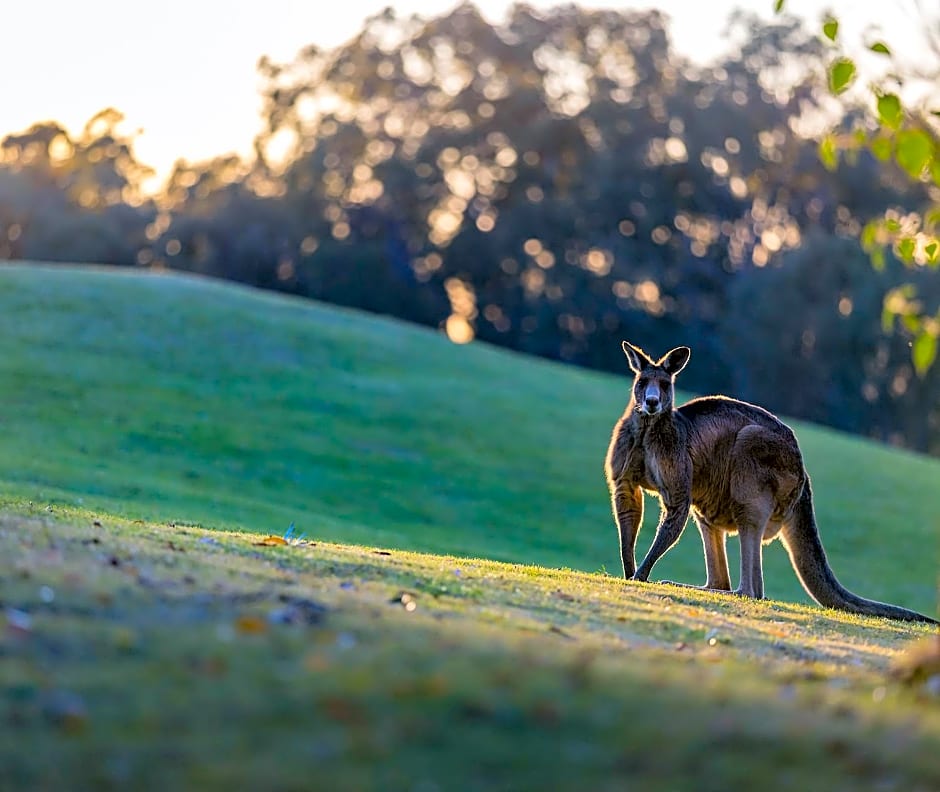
{"x":907,"y":134}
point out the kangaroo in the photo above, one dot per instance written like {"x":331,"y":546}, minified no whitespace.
{"x":737,"y":468}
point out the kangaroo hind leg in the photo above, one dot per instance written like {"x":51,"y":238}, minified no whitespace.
{"x":751,"y":531}
{"x":716,"y":557}
{"x":763,"y":472}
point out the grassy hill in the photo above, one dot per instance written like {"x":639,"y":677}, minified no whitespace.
{"x":178,"y":399}
{"x":154,"y":429}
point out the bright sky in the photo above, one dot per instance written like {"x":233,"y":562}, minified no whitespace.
{"x":183,"y":71}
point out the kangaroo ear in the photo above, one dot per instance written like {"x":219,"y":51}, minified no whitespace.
{"x":636,"y":357}
{"x":673,"y":362}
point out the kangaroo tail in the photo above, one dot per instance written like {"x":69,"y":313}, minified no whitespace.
{"x":801,"y":538}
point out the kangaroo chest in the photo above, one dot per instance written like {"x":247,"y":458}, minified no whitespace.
{"x":648,"y":465}
{"x":637,"y":471}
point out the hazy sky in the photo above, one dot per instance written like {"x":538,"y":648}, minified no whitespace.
{"x":183,"y":71}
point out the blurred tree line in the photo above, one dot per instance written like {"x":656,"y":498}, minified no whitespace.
{"x":553,"y":184}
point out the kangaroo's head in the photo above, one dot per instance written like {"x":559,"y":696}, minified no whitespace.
{"x":654,"y":381}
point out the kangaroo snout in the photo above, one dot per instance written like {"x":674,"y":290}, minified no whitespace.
{"x":652,"y":398}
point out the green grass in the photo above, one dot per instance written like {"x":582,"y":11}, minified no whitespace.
{"x":146,"y":656}
{"x":154,"y":428}
{"x":173,"y":398}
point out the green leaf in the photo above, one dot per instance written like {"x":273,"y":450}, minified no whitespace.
{"x":889,"y":110}
{"x":869,"y":234}
{"x":896,"y":303}
{"x":831,"y":28}
{"x":914,"y":151}
{"x":828,"y":153}
{"x":892,"y":225}
{"x":881,"y":148}
{"x":906,"y":247}
{"x":880,"y":47}
{"x":935,"y":171}
{"x":877,"y":256}
{"x":841,"y":74}
{"x":887,"y":320}
{"x":932,"y":249}
{"x":924,"y":352}
{"x":778,"y":6}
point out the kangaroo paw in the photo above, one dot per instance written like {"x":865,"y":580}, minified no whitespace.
{"x":706,"y":587}
{"x":741,"y":593}
{"x":676,"y":583}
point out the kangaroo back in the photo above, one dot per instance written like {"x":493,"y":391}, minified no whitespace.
{"x":800,"y":536}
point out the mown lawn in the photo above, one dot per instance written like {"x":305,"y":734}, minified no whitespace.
{"x":151,"y":656}
{"x":173,"y":398}
{"x":155,"y":428}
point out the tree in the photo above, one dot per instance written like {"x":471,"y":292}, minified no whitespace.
{"x":73,"y":199}
{"x":553,"y":184}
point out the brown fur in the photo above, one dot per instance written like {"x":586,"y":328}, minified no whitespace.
{"x":736,"y":468}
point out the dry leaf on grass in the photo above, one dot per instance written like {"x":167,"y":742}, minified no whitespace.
{"x":271,"y":541}
{"x":289,"y":538}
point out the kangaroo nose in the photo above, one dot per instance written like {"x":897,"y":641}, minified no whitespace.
{"x":652,"y":402}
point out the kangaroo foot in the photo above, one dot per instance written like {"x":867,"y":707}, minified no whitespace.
{"x":706,"y":587}
{"x":677,"y":583}
{"x":741,"y":593}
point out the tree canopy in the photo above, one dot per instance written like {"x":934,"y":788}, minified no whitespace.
{"x":553,"y":184}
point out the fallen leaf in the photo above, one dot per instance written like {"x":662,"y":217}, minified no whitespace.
{"x":271,"y":540}
{"x":251,"y":625}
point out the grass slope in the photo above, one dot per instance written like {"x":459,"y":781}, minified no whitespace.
{"x":173,"y":398}
{"x":145,"y":656}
